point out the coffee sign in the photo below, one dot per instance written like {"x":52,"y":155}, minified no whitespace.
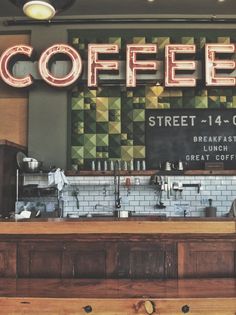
{"x":178,"y":70}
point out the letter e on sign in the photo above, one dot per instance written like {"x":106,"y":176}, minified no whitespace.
{"x":213,"y":64}
{"x":172,"y":65}
{"x":76,"y":68}
{"x":4,"y":61}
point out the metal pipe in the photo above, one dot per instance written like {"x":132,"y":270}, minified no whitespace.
{"x":117,"y":184}
{"x":17,"y":185}
{"x":62,"y":21}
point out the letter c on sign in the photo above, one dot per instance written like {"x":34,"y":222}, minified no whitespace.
{"x":4,"y":61}
{"x":72,"y":76}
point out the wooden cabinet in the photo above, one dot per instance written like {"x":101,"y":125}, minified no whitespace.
{"x":134,"y":256}
{"x":201,"y":259}
{"x":97,"y":259}
{"x":8,"y":151}
{"x":7,"y":260}
{"x":143,"y":259}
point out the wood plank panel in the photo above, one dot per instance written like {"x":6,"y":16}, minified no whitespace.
{"x":13,"y":101}
{"x":34,"y":306}
{"x":7,"y":260}
{"x":147,"y":260}
{"x":116,"y":297}
{"x":85,"y":260}
{"x":6,"y":41}
{"x":119,"y":289}
{"x":14,"y":120}
{"x":40,"y":260}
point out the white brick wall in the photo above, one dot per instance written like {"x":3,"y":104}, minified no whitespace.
{"x":96,"y":194}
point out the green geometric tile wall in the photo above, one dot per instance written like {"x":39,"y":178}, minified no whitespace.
{"x":108,"y":122}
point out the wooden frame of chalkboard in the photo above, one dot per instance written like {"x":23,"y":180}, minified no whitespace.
{"x":193,"y":136}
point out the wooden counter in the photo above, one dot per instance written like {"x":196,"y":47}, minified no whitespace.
{"x":118,"y":226}
{"x":118,"y":297}
{"x":133,"y":248}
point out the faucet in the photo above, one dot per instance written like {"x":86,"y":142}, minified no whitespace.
{"x":117,"y":184}
{"x":75,"y":194}
{"x":61,"y":204}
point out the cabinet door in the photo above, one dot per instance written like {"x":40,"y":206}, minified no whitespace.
{"x":74,"y":259}
{"x":207,"y":259}
{"x":86,"y":260}
{"x":147,"y":260}
{"x":40,"y":260}
{"x":7,"y":259}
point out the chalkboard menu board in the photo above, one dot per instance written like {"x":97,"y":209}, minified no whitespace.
{"x":192,"y":136}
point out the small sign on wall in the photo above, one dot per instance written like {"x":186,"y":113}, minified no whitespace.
{"x":192,"y":136}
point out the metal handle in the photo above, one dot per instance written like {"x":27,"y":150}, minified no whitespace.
{"x":88,"y":309}
{"x":185,"y":309}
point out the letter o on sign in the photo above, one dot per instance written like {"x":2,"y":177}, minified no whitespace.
{"x":76,"y":68}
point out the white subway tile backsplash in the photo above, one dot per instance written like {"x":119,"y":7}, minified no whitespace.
{"x":144,"y":203}
{"x":142,"y":198}
{"x":228,"y":193}
{"x":222,"y":198}
{"x":134,"y":203}
{"x":83,"y":203}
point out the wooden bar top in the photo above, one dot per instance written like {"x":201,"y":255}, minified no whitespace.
{"x":94,"y":288}
{"x":120,"y":226}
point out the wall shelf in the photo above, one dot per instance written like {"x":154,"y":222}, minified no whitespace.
{"x":154,"y":172}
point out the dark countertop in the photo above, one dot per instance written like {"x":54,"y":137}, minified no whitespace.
{"x":131,"y":218}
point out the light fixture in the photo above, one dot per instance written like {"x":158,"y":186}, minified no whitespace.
{"x":42,"y":9}
{"x":39,"y":10}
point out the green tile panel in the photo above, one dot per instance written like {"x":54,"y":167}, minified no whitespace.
{"x":108,"y":122}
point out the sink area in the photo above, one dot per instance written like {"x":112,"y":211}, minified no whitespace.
{"x":109,"y":216}
{"x":89,"y":215}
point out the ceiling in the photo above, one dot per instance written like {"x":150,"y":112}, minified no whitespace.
{"x":130,"y":8}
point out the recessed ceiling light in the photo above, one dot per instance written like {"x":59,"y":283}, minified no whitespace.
{"x":221,"y":0}
{"x":150,"y":0}
{"x":39,"y":10}
{"x":42,"y":9}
